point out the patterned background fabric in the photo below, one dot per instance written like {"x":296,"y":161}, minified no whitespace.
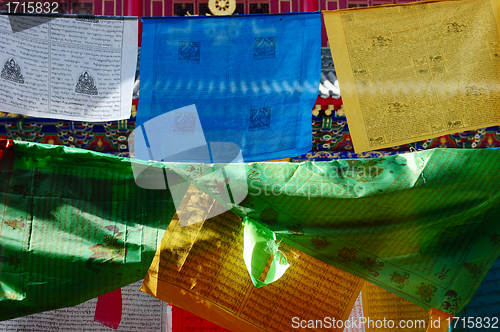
{"x":331,"y":138}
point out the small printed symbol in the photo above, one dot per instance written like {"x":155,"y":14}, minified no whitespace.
{"x":380,"y":41}
{"x":296,"y":230}
{"x":376,"y":140}
{"x":426,"y":292}
{"x":21,"y":189}
{"x":15,"y":224}
{"x":40,"y":177}
{"x":189,"y":51}
{"x":423,"y":71}
{"x":474,"y":269}
{"x":373,"y":266}
{"x":397,"y":107}
{"x":115,"y":230}
{"x":9,"y":295}
{"x":320,"y":242}
{"x":219,"y":185}
{"x":184,"y":122}
{"x":455,"y":124}
{"x":11,"y":71}
{"x":254,"y":175}
{"x":86,"y":84}
{"x":495,"y":238}
{"x":360,"y":72}
{"x":269,"y":216}
{"x":111,"y":252}
{"x":443,"y":274}
{"x":260,"y":119}
{"x":451,"y":302}
{"x":264,"y":48}
{"x":347,"y":255}
{"x":13,"y":260}
{"x":455,"y":27}
{"x":473,"y":90}
{"x":194,"y":171}
{"x":347,"y":17}
{"x":420,"y":61}
{"x":436,"y":58}
{"x":438,"y":69}
{"x":401,"y":280}
{"x":437,"y":128}
{"x":364,"y":171}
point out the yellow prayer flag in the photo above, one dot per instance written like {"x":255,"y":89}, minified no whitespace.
{"x":416,"y":71}
{"x":389,"y":312}
{"x":200,"y":268}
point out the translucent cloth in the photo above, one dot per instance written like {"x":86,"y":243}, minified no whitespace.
{"x":253,"y":79}
{"x":423,"y":225}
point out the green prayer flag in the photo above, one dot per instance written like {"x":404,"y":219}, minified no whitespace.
{"x":74,"y":226}
{"x":259,"y":241}
{"x":416,"y":224}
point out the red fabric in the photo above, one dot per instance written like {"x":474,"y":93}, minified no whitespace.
{"x":438,"y":321}
{"x":337,"y":103}
{"x":108,"y":310}
{"x":183,"y":320}
{"x":6,"y":144}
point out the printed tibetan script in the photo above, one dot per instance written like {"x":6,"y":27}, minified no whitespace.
{"x":417,"y":71}
{"x":68,"y":68}
{"x":200,"y":268}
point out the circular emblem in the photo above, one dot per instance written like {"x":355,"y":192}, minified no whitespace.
{"x":269,"y":216}
{"x":222,"y":7}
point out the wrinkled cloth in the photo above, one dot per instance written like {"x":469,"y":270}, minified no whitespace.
{"x":74,"y":226}
{"x":422,"y":225}
{"x":253,"y":78}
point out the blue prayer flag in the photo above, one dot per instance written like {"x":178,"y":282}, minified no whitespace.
{"x":253,"y":80}
{"x":482,"y":313}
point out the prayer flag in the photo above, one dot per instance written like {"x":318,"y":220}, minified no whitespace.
{"x":253,"y":79}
